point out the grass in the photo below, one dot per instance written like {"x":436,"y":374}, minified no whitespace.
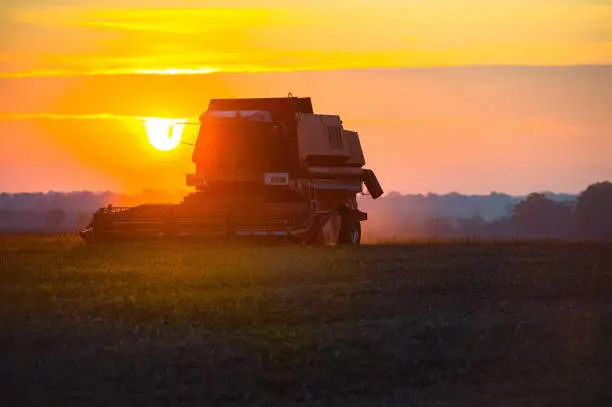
{"x":446,"y":323}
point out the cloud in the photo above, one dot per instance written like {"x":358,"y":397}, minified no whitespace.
{"x":115,"y":72}
{"x":199,"y":37}
{"x":55,"y":116}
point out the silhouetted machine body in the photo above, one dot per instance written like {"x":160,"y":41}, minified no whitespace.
{"x":264,"y":167}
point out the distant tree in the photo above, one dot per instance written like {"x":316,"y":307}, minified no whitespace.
{"x":476,"y":226}
{"x":594,"y":210}
{"x":55,"y":219}
{"x":501,"y":228}
{"x":539,"y":216}
{"x":440,"y":227}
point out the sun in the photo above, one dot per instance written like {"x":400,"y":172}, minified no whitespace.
{"x":164,"y":134}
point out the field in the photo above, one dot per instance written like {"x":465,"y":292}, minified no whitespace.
{"x":447,"y":323}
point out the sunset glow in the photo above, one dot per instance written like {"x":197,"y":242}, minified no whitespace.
{"x":191,"y":36}
{"x":469,"y":95}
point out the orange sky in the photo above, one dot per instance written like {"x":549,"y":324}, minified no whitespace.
{"x":75,"y":77}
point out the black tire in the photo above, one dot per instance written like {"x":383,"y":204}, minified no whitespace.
{"x":350,"y":232}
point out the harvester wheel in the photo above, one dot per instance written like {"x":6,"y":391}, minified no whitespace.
{"x":350,"y":231}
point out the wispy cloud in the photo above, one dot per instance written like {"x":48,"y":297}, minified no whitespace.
{"x":118,"y":71}
{"x":98,"y":116}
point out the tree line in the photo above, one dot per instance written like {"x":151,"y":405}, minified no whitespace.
{"x":536,"y":216}
{"x":587,"y":215}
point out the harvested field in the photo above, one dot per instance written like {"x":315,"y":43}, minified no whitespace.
{"x":427,"y":324}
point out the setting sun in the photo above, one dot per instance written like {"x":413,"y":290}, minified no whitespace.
{"x":164,"y":134}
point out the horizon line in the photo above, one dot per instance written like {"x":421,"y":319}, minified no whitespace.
{"x":385,"y":195}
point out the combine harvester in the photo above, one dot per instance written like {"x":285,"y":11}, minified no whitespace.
{"x":264,"y":167}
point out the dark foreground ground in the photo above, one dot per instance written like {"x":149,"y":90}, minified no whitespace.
{"x":478,"y":324}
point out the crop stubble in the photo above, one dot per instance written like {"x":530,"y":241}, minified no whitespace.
{"x":454,"y":323}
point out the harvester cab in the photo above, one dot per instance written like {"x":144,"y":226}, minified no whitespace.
{"x":264,"y":167}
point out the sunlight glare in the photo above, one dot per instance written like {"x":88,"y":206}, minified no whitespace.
{"x":164,"y":134}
